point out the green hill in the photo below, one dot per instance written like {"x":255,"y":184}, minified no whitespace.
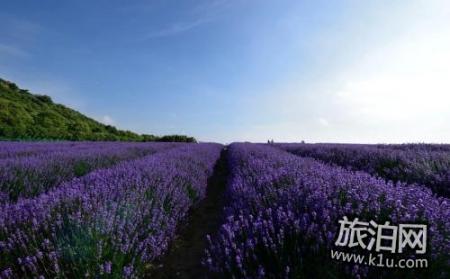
{"x":25,"y":116}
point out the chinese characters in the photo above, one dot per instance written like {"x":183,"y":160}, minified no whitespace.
{"x":382,"y":237}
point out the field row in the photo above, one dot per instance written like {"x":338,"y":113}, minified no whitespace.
{"x":427,"y":165}
{"x":40,"y":171}
{"x":282,"y":219}
{"x":20,"y":149}
{"x":110,"y":221}
{"x":113,"y":209}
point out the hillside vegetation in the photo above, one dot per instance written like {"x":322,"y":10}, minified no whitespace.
{"x":25,"y":116}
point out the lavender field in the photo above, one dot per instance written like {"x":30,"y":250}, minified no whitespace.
{"x":205,"y":210}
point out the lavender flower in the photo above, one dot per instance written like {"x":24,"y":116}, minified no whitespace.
{"x":283,"y":211}
{"x":121,"y":218}
{"x":427,"y":165}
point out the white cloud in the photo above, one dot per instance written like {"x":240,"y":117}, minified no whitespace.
{"x":395,"y":90}
{"x":323,"y":122}
{"x":107,"y":120}
{"x":400,"y":92}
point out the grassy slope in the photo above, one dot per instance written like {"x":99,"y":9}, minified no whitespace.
{"x":28,"y":116}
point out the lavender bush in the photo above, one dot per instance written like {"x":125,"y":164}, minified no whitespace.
{"x":17,"y":149}
{"x":10,"y":149}
{"x":29,"y":176}
{"x":428,"y":165}
{"x":110,"y":223}
{"x":417,"y":146}
{"x":283,"y":213}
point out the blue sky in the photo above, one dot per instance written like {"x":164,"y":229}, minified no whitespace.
{"x":320,"y":71}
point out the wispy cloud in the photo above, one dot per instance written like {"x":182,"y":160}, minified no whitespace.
{"x":16,"y":36}
{"x":210,"y":7}
{"x":18,"y":29}
{"x":197,"y":16}
{"x":176,"y":28}
{"x":11,"y":51}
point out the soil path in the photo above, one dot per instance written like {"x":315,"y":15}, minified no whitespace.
{"x":183,"y":259}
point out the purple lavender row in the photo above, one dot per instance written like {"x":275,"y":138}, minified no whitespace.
{"x":10,"y":149}
{"x":16,"y":149}
{"x":415,"y":165}
{"x":29,"y":176}
{"x":112,"y":222}
{"x":417,"y":146}
{"x":282,"y":218}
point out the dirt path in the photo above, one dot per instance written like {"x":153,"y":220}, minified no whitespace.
{"x":186,"y":252}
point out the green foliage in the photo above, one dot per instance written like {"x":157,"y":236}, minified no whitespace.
{"x":44,"y":99}
{"x":24,"y":116}
{"x":149,"y":137}
{"x":177,"y":138}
